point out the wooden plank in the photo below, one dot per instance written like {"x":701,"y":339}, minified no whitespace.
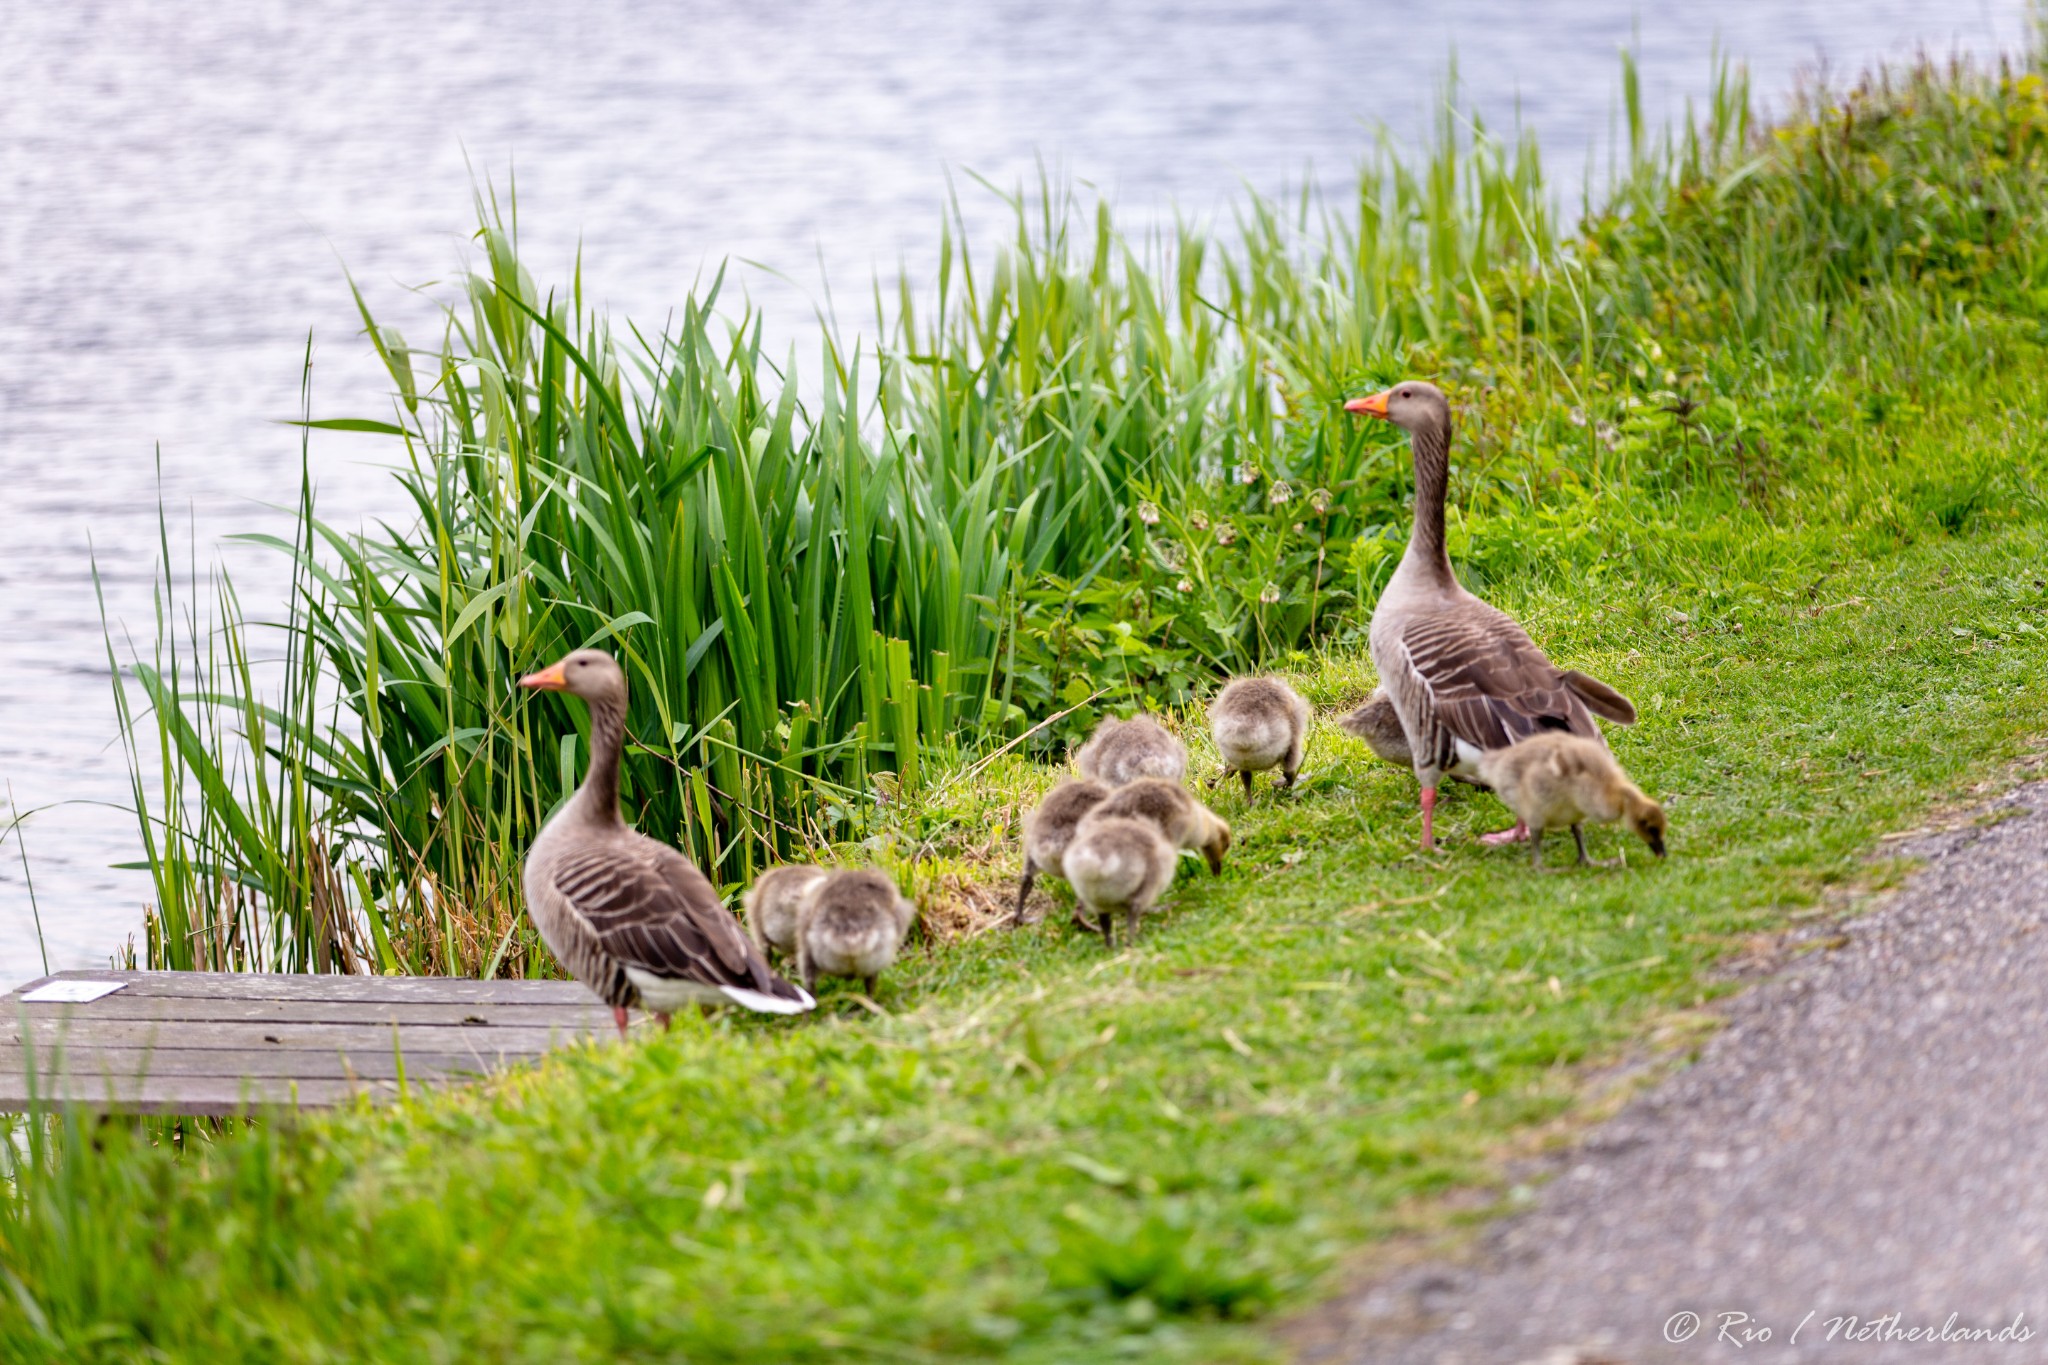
{"x":375,"y":1064}
{"x":209,"y":1043}
{"x":297,"y":986}
{"x":201,"y":1096}
{"x":585,"y":1014}
{"x":85,"y":1033}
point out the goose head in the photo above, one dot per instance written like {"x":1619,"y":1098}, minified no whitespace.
{"x":1410,"y":404}
{"x":590,"y":674}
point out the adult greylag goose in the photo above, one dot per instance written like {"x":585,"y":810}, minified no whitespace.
{"x":627,"y":915}
{"x":851,"y":924}
{"x":1050,"y":828}
{"x":772,"y":902}
{"x":1123,"y":751}
{"x":1259,"y":724}
{"x":1177,"y":813}
{"x":1553,"y":780}
{"x":1463,"y":676}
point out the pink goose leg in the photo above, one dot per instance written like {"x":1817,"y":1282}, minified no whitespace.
{"x":1518,"y":835}
{"x":1429,"y":819}
{"x":619,"y":1018}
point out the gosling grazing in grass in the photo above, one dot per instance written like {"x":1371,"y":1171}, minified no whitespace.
{"x":1259,"y":724}
{"x":1123,"y":751}
{"x":1179,"y":816}
{"x":1379,"y":725}
{"x":772,"y":903}
{"x":850,"y":924}
{"x":1554,"y":779}
{"x":1050,"y":828}
{"x":1117,"y":863}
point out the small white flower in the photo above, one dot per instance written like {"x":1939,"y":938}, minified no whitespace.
{"x":1279,"y":493}
{"x":1271,"y":594}
{"x":1578,"y":416}
{"x":1199,"y":520}
{"x":1184,"y":586}
{"x":1247,"y":472}
{"x":1225,"y":533}
{"x":1148,"y":514}
{"x":1319,"y":501}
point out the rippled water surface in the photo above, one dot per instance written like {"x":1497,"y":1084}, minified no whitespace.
{"x":181,"y":186}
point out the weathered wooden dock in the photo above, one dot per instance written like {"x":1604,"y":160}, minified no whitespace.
{"x":213,"y":1043}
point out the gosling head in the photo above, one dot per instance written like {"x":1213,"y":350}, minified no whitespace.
{"x":1216,"y":844}
{"x":1649,"y":824}
{"x":1409,"y":404}
{"x":590,"y":674}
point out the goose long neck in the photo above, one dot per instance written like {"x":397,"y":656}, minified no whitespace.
{"x":1426,"y":551}
{"x":599,"y":794}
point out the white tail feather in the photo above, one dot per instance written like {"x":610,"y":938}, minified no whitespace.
{"x":768,"y":1004}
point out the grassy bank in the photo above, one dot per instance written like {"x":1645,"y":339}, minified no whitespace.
{"x":1761,"y":444}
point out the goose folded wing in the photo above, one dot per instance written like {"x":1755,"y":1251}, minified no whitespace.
{"x":1487,"y":681}
{"x":659,"y":914}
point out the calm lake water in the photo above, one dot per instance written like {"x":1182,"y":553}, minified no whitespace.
{"x":181,"y":186}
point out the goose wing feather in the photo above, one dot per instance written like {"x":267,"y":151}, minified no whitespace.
{"x":1486,"y":682}
{"x":647,"y":907}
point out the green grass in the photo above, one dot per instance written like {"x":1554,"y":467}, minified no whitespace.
{"x":1762,"y":445}
{"x":1051,"y":1154}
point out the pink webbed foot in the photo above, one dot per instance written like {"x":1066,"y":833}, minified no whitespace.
{"x":1518,"y":835}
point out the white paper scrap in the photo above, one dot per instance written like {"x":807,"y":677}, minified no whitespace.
{"x":70,"y":992}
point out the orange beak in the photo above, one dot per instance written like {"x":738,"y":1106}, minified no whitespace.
{"x":549,"y":679}
{"x":1374,"y":406}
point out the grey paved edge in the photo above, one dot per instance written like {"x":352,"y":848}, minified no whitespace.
{"x":1867,"y":1137}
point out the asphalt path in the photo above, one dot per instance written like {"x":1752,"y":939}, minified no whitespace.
{"x":1856,"y":1169}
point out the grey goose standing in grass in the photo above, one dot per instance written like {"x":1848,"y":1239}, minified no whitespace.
{"x":1259,"y":724}
{"x":1554,"y":780}
{"x":851,"y":923}
{"x":1123,"y":751}
{"x":1050,"y":827}
{"x":772,"y":903}
{"x":628,"y":915}
{"x":1377,"y":723}
{"x":1176,"y":811}
{"x":1463,"y":676}
{"x":1119,"y":863}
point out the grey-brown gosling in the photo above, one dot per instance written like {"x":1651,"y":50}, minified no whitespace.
{"x":851,"y":924}
{"x":1117,"y":864}
{"x":1259,"y":724}
{"x":1050,"y":828}
{"x":1179,"y":815}
{"x":1379,"y":725}
{"x":1555,"y":779}
{"x":772,"y":902}
{"x":1123,"y":751}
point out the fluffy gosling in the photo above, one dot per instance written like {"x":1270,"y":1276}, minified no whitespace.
{"x":1123,"y":751}
{"x":1119,"y":864}
{"x":1050,"y":828}
{"x":1183,"y":819}
{"x":1259,"y":724}
{"x":1376,"y":723}
{"x":851,"y":924}
{"x":1555,"y":779}
{"x":772,"y":902}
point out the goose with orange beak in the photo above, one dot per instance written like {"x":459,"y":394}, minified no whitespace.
{"x":1463,"y":677}
{"x":630,"y":917}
